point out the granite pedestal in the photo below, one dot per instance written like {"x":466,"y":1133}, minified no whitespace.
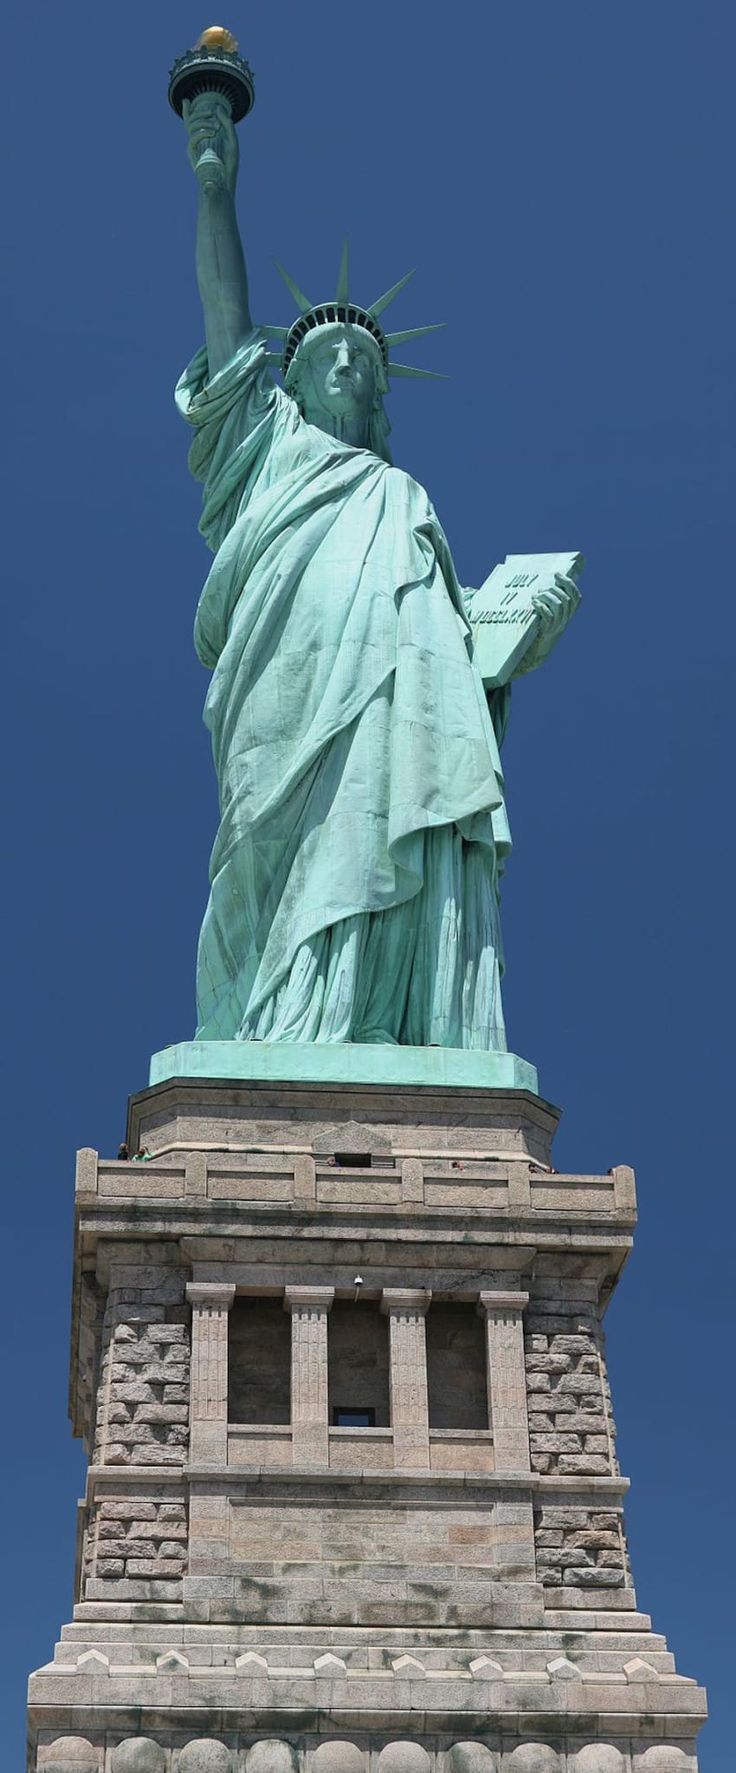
{"x":353,"y":1500}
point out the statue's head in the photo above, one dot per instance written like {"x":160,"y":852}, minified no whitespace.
{"x":338,"y":372}
{"x":335,"y":359}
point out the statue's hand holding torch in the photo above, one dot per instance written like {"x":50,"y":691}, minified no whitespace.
{"x":211,"y":88}
{"x":213,"y":144}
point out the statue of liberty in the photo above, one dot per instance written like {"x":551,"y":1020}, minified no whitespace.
{"x":355,"y":873}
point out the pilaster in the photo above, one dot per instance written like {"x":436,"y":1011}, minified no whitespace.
{"x":309,"y":1307}
{"x":507,"y":1406}
{"x":210,"y":1304}
{"x":406,"y":1308}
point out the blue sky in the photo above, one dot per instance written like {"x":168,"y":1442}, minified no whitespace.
{"x":562,"y":178}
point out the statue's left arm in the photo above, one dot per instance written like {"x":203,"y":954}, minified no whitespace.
{"x":553,"y":609}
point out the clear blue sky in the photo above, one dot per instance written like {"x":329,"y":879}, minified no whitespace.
{"x":562,"y":177}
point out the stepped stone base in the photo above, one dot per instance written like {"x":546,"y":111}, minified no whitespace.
{"x":442,"y":1589}
{"x":565,"y":1686}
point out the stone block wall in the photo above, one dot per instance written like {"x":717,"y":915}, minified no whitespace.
{"x":142,"y":1404}
{"x":139,"y":1541}
{"x":89,"y":1310}
{"x":571,"y":1432}
{"x":581,"y":1548}
{"x":371,"y":1557}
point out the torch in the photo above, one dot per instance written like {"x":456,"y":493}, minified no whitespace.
{"x":213,"y":66}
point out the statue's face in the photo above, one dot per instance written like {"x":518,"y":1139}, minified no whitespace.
{"x":338,"y":375}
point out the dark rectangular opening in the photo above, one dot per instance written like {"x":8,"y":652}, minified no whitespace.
{"x":259,"y":1362}
{"x":456,"y":1366}
{"x":353,"y":1160}
{"x":357,"y":1345}
{"x":352,"y":1416}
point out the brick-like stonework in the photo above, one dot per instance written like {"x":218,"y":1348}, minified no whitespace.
{"x":138,"y":1539}
{"x":579,"y":1547}
{"x":570,"y":1426}
{"x":142,"y":1412}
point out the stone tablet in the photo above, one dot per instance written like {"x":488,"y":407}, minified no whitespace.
{"x":501,"y":613}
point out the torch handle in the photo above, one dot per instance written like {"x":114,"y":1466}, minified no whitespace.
{"x":210,"y":169}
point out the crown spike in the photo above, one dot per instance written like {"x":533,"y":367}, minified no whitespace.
{"x":302,"y":301}
{"x":341,"y":293}
{"x":276,"y":332}
{"x":273,"y":357}
{"x":414,"y":332}
{"x":383,"y":302}
{"x":421,"y":375}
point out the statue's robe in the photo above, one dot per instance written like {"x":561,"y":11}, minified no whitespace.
{"x":354,"y":877}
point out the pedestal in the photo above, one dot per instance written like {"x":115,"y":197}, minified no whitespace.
{"x":353,"y":1501}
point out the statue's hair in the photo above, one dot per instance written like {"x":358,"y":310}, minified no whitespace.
{"x":378,"y":423}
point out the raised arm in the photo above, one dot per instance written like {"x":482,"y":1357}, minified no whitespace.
{"x":221,"y":274}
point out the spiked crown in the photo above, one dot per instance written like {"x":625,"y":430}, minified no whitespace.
{"x":342,"y":311}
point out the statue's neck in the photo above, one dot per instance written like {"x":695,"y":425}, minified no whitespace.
{"x":353,"y":431}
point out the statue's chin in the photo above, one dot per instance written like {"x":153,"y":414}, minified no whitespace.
{"x":345,"y":404}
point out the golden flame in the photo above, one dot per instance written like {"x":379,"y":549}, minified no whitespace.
{"x":217,"y":37}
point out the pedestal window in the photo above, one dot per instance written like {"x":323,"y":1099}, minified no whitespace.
{"x":259,"y":1367}
{"x":456,"y":1366}
{"x":358,"y":1363}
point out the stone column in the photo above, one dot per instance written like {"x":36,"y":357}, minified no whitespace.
{"x":406,"y":1308}
{"x":309,"y":1408}
{"x":210,"y":1304}
{"x":507,"y":1409}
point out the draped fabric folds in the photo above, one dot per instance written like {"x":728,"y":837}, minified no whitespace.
{"x":362,"y":822}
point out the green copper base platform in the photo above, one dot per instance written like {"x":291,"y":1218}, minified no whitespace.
{"x":341,"y":1062}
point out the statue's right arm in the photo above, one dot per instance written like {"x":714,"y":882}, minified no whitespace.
{"x":221,"y":273}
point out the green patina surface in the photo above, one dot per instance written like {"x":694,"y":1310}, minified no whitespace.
{"x":355,"y":873}
{"x":343,"y":1062}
